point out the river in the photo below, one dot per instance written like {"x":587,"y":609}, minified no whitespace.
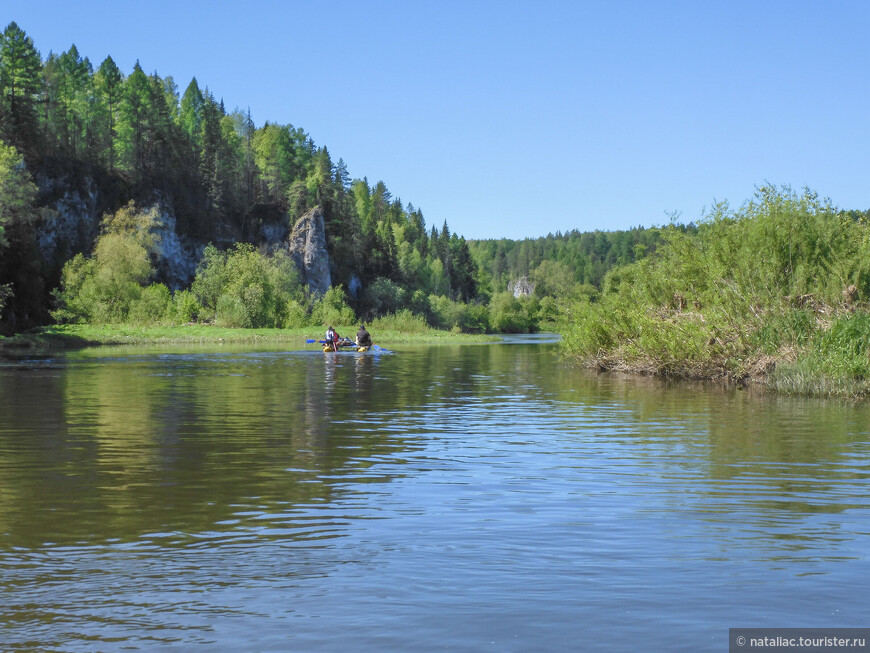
{"x":463,"y":498}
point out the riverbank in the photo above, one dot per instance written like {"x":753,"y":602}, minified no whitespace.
{"x":776,"y":293}
{"x":76,"y":336}
{"x":810,"y":351}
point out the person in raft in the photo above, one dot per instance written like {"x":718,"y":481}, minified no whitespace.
{"x":332,"y":338}
{"x":363,"y":337}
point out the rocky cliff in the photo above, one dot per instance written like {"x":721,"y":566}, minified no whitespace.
{"x":521,"y":287}
{"x":71,"y":224}
{"x":307,"y":246}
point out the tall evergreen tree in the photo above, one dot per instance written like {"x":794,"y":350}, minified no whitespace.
{"x":20,"y":83}
{"x":75,"y":99}
{"x":108,"y":85}
{"x":132,"y":124}
{"x":190,"y":115}
{"x":211,"y":139}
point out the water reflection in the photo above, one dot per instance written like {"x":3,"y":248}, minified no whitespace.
{"x":244,"y":487}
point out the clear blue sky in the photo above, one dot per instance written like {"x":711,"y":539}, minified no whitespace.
{"x":516,"y":119}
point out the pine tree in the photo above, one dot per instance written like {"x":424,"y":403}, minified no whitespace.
{"x":20,"y":85}
{"x":75,"y":95}
{"x":190,"y":115}
{"x":132,"y":124}
{"x":109,"y":86}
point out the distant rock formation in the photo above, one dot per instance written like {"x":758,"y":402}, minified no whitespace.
{"x":521,"y":287}
{"x":307,"y":247}
{"x":70,"y":224}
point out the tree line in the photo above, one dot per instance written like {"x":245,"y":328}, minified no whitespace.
{"x":137,"y":138}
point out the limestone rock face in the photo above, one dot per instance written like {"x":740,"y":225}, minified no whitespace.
{"x":307,"y":247}
{"x":176,"y":256}
{"x":521,"y":287}
{"x":70,"y":222}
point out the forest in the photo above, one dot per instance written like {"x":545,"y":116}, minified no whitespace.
{"x":129,"y":149}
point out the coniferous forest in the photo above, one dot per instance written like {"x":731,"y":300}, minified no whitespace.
{"x":98,"y":166}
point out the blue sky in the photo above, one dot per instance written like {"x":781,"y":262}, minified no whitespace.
{"x":517,"y":119}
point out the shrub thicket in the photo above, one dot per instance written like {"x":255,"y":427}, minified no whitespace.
{"x":775,"y":281}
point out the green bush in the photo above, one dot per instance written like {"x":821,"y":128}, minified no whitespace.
{"x":446,"y":313}
{"x":758,"y":282}
{"x":262,"y":285}
{"x":296,"y":315}
{"x":333,"y":309}
{"x":403,"y":321}
{"x":230,"y":312}
{"x":185,"y":307}
{"x":509,"y":314}
{"x":419,"y":304}
{"x":383,"y":296}
{"x":105,"y":287}
{"x":152,"y":305}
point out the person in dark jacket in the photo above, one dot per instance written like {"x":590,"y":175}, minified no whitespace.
{"x":363,"y":337}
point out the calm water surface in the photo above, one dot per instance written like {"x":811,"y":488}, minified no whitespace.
{"x":460,"y":498}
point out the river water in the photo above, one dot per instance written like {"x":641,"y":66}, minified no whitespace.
{"x":463,"y":498}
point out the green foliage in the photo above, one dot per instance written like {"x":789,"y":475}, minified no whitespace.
{"x":295,"y":315}
{"x":152,"y":306}
{"x":104,"y":288}
{"x":243,"y":287}
{"x":835,"y":362}
{"x":17,"y":191}
{"x":403,"y":321}
{"x":509,"y":314}
{"x":5,"y":294}
{"x":333,"y":309}
{"x":449,"y":314}
{"x":567,"y":259}
{"x":20,"y":83}
{"x":842,"y":350}
{"x":383,"y":296}
{"x":231,"y":313}
{"x":759,"y":282}
{"x":446,"y":313}
{"x":185,"y":307}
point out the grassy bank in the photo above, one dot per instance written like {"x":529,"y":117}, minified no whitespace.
{"x":71,"y":336}
{"x":775,"y":293}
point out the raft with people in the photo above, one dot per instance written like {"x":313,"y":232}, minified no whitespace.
{"x":343,"y":344}
{"x":334,"y":342}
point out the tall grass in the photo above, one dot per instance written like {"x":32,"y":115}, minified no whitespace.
{"x":780,"y":283}
{"x":403,"y":321}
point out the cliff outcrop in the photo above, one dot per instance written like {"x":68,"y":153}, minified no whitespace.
{"x":307,"y":247}
{"x":521,"y":287}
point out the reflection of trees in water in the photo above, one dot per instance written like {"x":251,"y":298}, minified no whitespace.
{"x":769,"y":469}
{"x":127,"y":445}
{"x":157,"y":444}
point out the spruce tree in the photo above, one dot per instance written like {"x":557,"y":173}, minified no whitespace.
{"x":20,"y":85}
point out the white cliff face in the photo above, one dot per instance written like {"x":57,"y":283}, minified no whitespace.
{"x":522,"y":287}
{"x":176,"y":257}
{"x":70,"y":224}
{"x":307,"y":246}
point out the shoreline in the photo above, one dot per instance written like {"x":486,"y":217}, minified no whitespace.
{"x":79,"y":336}
{"x":785,"y":376}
